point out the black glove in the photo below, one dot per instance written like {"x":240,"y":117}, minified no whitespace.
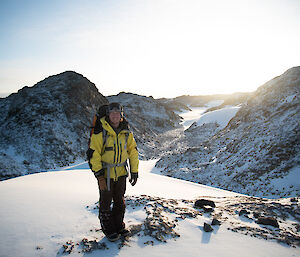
{"x":99,"y":173}
{"x":133,"y":178}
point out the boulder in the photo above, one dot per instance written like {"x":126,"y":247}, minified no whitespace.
{"x":243,"y":212}
{"x":203,"y":202}
{"x":207,"y":227}
{"x":268,"y":221}
{"x":215,"y":222}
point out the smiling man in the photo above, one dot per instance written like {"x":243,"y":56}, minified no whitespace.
{"x":110,"y":150}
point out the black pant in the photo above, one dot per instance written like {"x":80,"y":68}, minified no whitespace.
{"x":111,"y":218}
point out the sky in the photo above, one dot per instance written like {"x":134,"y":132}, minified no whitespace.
{"x":162,"y":48}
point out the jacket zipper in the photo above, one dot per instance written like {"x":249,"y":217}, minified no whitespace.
{"x":115,"y":159}
{"x":118,"y":159}
{"x":121,"y":150}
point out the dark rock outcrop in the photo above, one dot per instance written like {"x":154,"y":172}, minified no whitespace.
{"x":47,"y":125}
{"x":268,"y":221}
{"x":204,"y":202}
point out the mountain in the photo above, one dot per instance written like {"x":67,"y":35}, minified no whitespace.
{"x":257,"y":153}
{"x":251,"y":148}
{"x":202,"y":100}
{"x":175,"y":104}
{"x":46,"y":125}
{"x":148,"y":118}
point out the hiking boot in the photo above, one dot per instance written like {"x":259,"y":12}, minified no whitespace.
{"x":124,"y":232}
{"x":113,"y":237}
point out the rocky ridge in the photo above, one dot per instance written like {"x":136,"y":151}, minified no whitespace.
{"x":202,"y":100}
{"x":149,"y":118}
{"x":47,"y":125}
{"x":259,"y":145}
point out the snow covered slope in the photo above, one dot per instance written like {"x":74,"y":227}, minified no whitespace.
{"x":257,"y":153}
{"x":55,"y":214}
{"x":221,"y":117}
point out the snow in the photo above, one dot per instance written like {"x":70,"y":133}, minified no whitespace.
{"x":168,"y":187}
{"x":41,"y":212}
{"x":222,"y":116}
{"x":290,"y":98}
{"x":291,"y":180}
{"x":189,"y":117}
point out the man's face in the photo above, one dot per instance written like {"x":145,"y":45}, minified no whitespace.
{"x":115,"y":118}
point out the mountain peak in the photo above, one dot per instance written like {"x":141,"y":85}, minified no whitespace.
{"x":47,"y":125}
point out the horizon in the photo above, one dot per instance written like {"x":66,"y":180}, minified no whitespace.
{"x":153,"y":48}
{"x":4,"y":95}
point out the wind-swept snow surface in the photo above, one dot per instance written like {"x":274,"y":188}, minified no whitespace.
{"x":221,"y":117}
{"x":49,"y":214}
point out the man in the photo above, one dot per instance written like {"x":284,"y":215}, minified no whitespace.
{"x":109,"y":164}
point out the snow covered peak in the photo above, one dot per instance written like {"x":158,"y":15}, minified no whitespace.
{"x":46,"y":125}
{"x":287,"y":83}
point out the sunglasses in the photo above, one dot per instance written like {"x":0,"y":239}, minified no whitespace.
{"x":115,"y":107}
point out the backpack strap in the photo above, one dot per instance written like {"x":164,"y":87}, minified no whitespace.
{"x":104,"y":139}
{"x":92,"y":129}
{"x":126,"y":139}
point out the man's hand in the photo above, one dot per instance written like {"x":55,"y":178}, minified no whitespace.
{"x":133,"y":178}
{"x":102,"y":183}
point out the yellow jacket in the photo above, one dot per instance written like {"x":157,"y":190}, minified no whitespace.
{"x":114,"y":152}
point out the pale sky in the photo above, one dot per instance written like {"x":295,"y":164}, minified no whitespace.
{"x":163,"y":48}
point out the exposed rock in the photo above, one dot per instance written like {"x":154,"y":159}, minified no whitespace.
{"x":256,"y":215}
{"x":203,"y":202}
{"x":215,"y":222}
{"x":243,"y":212}
{"x":47,"y":125}
{"x":207,"y":227}
{"x":68,"y":247}
{"x":207,"y":209}
{"x":91,"y":245}
{"x":163,"y":220}
{"x":268,"y":221}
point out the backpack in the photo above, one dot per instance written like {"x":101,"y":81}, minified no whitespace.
{"x":96,"y":128}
